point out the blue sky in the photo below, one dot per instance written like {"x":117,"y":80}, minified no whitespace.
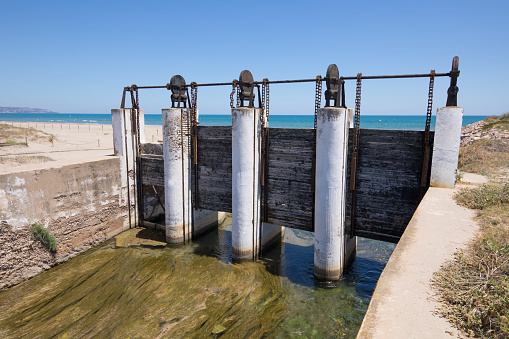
{"x":76,"y":56}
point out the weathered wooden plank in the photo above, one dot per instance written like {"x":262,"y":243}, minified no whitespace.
{"x":289,"y":193}
{"x":388,"y":179}
{"x":152,"y":170}
{"x":152,"y":148}
{"x":214,"y":168}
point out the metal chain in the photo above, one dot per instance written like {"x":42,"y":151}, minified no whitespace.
{"x":318,"y":96}
{"x":238,"y":95}
{"x":318,"y":101}
{"x":138,"y":120}
{"x":355,"y":151}
{"x":194,"y":98}
{"x":194,"y":136}
{"x":357,"y":119}
{"x":232,"y":94}
{"x":430,"y":106}
{"x":265,"y":102}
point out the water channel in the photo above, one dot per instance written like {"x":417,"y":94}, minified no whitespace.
{"x":137,"y":286}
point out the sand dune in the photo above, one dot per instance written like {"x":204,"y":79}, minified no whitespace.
{"x":53,"y":145}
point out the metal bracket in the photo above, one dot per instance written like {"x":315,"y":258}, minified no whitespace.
{"x":246,"y":84}
{"x":335,"y":87}
{"x":452,"y":91}
{"x":178,"y":88}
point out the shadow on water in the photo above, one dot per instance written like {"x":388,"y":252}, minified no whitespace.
{"x":137,"y":286}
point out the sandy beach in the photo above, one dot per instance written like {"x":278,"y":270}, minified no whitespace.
{"x":53,"y":145}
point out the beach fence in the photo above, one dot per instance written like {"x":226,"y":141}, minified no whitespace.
{"x":336,"y":180}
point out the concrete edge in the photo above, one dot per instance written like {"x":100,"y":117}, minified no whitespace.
{"x":385,"y":298}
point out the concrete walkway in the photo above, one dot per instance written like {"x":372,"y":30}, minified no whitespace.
{"x":401,"y":306}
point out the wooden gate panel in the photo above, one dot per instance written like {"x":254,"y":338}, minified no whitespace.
{"x":214,"y":168}
{"x":388,"y":180}
{"x":290,"y":197}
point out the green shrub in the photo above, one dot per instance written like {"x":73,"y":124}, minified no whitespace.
{"x":43,"y":235}
{"x":483,"y":196}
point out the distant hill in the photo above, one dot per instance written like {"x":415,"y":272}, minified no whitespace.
{"x":23,"y":110}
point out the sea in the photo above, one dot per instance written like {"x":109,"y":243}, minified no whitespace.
{"x":395,"y":122}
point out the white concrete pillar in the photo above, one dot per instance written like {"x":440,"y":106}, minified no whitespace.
{"x":124,"y":144}
{"x":350,"y":117}
{"x":246,"y":132}
{"x":446,"y":146}
{"x":177,"y":175}
{"x":142,"y":126}
{"x":330,"y":193}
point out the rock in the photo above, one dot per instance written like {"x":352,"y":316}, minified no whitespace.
{"x":473,"y":132}
{"x":218,"y":329}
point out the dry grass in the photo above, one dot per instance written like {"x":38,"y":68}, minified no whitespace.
{"x":11,"y":135}
{"x":474,"y":286}
{"x":484,"y":156}
{"x":24,"y":159}
{"x":501,"y":122}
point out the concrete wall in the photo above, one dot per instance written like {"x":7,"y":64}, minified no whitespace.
{"x":81,"y":205}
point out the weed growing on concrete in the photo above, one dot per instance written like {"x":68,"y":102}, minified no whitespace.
{"x":44,"y":236}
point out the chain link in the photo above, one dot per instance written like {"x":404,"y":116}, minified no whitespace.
{"x":318,"y":96}
{"x":357,"y":119}
{"x":265,"y":102}
{"x":430,"y":106}
{"x":238,"y":95}
{"x":232,"y":94}
{"x":318,"y":101}
{"x":194,"y":98}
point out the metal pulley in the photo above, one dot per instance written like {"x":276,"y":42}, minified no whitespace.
{"x":177,"y":86}
{"x":246,"y":85}
{"x":452,"y":91}
{"x":335,"y":87}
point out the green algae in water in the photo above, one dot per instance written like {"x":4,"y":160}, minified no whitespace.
{"x":136,"y":285}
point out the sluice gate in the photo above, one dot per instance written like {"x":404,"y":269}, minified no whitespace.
{"x":336,"y":180}
{"x":389,"y":172}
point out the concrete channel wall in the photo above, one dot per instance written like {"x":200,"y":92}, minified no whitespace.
{"x":81,"y":205}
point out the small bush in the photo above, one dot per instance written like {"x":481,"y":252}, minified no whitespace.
{"x":501,"y":122}
{"x":483,"y":196}
{"x":43,"y":235}
{"x":484,"y":156}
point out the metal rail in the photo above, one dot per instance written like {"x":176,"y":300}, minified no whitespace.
{"x":366,"y":77}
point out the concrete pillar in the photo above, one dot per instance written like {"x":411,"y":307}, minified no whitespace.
{"x":446,"y":145}
{"x":330,"y":193}
{"x":124,"y":144}
{"x":350,"y":117}
{"x":246,"y":133}
{"x":142,"y":126}
{"x":177,"y":175}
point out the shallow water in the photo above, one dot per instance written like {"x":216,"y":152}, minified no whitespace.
{"x":135,"y":285}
